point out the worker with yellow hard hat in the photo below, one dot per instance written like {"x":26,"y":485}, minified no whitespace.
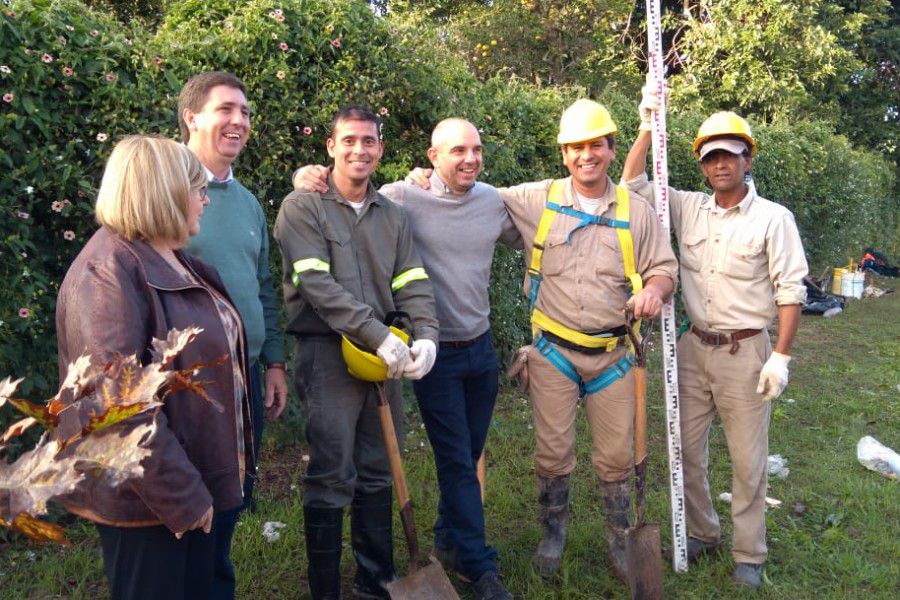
{"x":742,"y":262}
{"x":591,"y":247}
{"x":349,"y":261}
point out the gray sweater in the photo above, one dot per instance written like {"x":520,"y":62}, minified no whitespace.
{"x":455,"y":236}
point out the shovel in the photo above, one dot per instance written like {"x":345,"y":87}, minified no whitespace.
{"x":642,"y":546}
{"x":430,"y":581}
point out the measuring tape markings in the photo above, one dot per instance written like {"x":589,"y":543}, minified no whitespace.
{"x":669,"y":330}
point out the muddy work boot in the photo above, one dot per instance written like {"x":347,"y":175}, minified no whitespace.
{"x":617,"y":501}
{"x":553,"y":498}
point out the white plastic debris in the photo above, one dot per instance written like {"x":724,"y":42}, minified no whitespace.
{"x":777,"y":466}
{"x":789,"y":400}
{"x":877,"y":457}
{"x":270,"y":530}
{"x":832,"y":312}
{"x":770,"y":502}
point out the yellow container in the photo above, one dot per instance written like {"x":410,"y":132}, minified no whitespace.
{"x":836,"y":281}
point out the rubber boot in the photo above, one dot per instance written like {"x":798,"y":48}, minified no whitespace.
{"x":617,"y":501}
{"x":322,"y":527}
{"x":371,"y":536}
{"x":553,"y":498}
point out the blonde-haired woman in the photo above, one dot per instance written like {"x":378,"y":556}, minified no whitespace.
{"x":132,"y":283}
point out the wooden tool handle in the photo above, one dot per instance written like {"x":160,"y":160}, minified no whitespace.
{"x":640,"y":414}
{"x":393,"y":451}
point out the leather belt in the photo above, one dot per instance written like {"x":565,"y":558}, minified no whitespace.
{"x":710,"y":338}
{"x":460,"y":343}
{"x":618,"y":332}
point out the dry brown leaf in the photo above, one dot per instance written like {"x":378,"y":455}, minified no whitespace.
{"x":37,"y":530}
{"x":164,"y":351}
{"x":36,"y":477}
{"x":114,"y":454}
{"x":7,"y":389}
{"x":17,"y":429}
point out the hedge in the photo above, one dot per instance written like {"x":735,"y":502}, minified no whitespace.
{"x":74,"y":80}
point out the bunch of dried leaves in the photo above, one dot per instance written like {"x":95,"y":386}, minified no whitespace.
{"x":99,"y":423}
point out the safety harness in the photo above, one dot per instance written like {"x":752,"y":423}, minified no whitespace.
{"x":541,"y":322}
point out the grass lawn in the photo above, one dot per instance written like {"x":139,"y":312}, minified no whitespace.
{"x":837,"y":534}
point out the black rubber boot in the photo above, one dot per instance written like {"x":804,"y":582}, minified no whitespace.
{"x":617,"y":501}
{"x":322,"y":527}
{"x":373,"y":543}
{"x":553,"y":497}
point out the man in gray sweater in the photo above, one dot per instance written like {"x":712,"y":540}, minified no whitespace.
{"x":455,"y":226}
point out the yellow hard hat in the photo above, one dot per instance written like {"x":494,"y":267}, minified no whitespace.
{"x":724,"y":123}
{"x":584,"y":120}
{"x":367,"y":365}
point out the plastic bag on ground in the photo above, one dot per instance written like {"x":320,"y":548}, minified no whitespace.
{"x":777,"y":466}
{"x":877,"y":457}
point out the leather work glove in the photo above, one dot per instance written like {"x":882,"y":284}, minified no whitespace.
{"x":395,"y":354}
{"x":649,"y":103}
{"x":518,"y":368}
{"x":423,"y":353}
{"x":773,"y":377}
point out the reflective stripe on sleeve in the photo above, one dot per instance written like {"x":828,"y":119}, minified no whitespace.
{"x":406,"y":276}
{"x":308,"y":264}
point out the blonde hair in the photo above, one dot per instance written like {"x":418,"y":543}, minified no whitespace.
{"x":146,"y":189}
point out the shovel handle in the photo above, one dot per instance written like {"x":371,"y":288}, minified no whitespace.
{"x":393,"y":451}
{"x":640,"y":414}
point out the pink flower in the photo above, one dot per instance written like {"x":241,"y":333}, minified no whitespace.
{"x":47,"y":58}
{"x":8,"y":97}
{"x":336,"y":43}
{"x":229,"y":25}
{"x":23,"y":215}
{"x":283,"y":46}
{"x":68,"y":71}
{"x":24,"y":313}
{"x":11,"y":15}
{"x":57,"y":206}
{"x":307,"y":130}
{"x":110,"y":77}
{"x":157,"y":59}
{"x":94,"y":32}
{"x":69,"y":235}
{"x":384,"y":111}
{"x":5,"y":69}
{"x":280,"y":74}
{"x":280,"y":18}
{"x":101,"y":137}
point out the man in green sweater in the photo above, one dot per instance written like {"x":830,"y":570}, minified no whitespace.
{"x":215,"y":123}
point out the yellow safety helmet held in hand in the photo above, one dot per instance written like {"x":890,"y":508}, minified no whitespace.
{"x":724,"y":123}
{"x":367,"y":365}
{"x":584,"y":120}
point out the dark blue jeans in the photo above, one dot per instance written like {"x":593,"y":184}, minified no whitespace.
{"x":225,"y":522}
{"x":456,"y":400}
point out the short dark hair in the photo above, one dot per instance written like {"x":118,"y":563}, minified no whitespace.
{"x":196,"y":91}
{"x":355,"y":112}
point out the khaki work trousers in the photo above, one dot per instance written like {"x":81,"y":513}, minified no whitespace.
{"x":711,"y":380}
{"x":610,"y":412}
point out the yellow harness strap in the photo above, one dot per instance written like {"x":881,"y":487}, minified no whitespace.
{"x":539,"y":320}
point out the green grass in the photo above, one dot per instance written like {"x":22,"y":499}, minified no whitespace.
{"x":836,"y":535}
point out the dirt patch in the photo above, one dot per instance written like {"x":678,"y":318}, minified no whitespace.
{"x":280,"y":469}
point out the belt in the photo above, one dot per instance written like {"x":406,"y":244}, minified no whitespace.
{"x":711,"y":338}
{"x":460,"y":343}
{"x":618,"y":332}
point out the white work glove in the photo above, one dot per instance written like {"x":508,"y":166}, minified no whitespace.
{"x":773,"y":377}
{"x":649,"y":104}
{"x":395,"y":354}
{"x":423,"y":353}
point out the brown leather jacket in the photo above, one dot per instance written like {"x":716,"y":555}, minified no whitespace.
{"x":116,"y":297}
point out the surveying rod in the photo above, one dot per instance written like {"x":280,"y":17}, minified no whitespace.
{"x":669,"y":331}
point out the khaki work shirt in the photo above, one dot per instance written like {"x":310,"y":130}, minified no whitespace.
{"x":738,"y":263}
{"x":584,"y":285}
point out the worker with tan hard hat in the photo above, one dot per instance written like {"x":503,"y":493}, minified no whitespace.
{"x":742,"y":263}
{"x":591,"y":248}
{"x":349,"y":262}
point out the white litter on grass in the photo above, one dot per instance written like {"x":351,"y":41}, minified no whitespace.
{"x":270,"y":530}
{"x":777,"y":466}
{"x":877,"y":457}
{"x":305,"y":458}
{"x":789,"y":400}
{"x":770,"y":502}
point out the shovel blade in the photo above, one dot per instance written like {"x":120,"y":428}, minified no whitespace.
{"x":426,"y":583}
{"x":644,"y":558}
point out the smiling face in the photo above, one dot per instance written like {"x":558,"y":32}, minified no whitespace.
{"x":219,"y":130}
{"x":588,"y":163}
{"x":456,"y":154}
{"x":356,"y":149}
{"x":725,"y":171}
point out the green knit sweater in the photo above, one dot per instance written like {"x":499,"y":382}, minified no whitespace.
{"x":234,"y":239}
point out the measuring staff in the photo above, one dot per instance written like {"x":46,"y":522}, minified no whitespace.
{"x":741,"y":263}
